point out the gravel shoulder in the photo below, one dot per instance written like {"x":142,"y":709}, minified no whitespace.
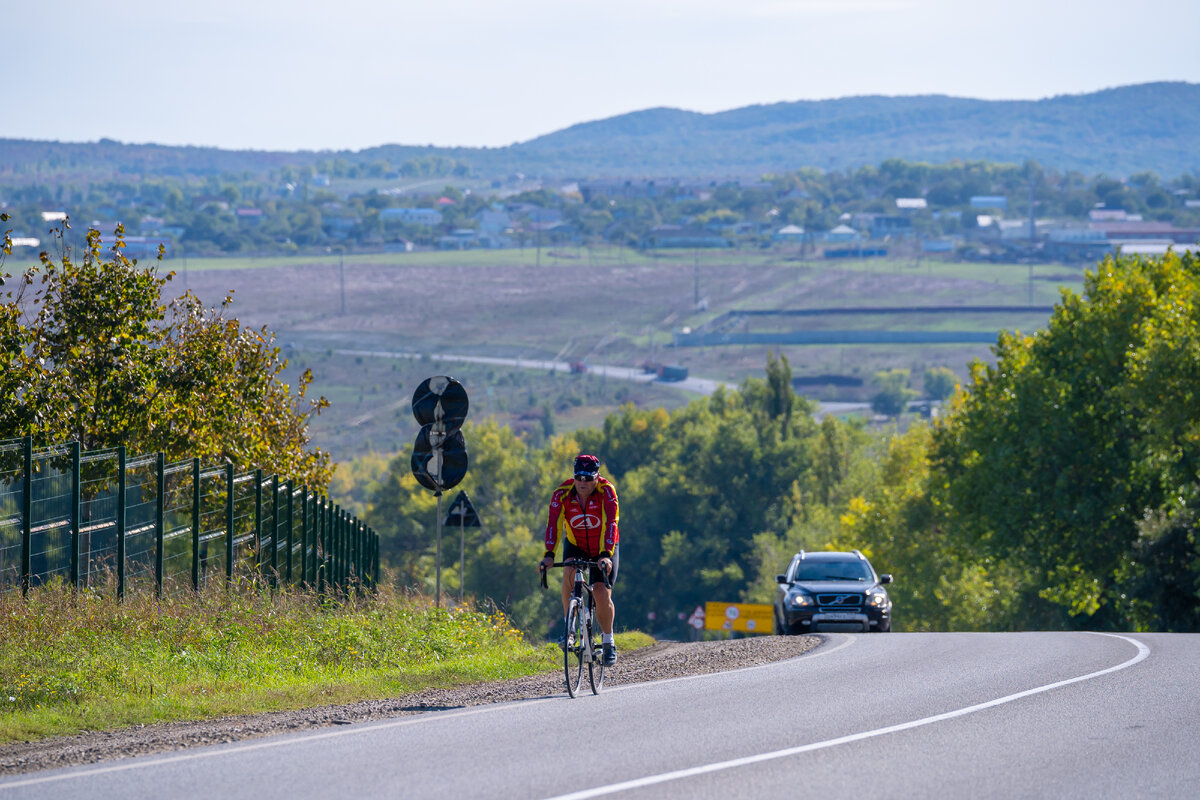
{"x":659,"y":661}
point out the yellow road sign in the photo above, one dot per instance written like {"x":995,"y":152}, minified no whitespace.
{"x":747,"y":617}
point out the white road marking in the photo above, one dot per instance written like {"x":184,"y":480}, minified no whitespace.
{"x":150,"y":761}
{"x":651,"y":780}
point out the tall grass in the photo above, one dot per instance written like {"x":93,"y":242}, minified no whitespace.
{"x":71,"y":662}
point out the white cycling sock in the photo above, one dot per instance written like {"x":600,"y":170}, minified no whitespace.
{"x":606,"y":638}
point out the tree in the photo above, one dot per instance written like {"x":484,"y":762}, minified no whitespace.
{"x":894,"y":394}
{"x":1078,"y":434}
{"x":899,"y":524}
{"x":91,"y":353}
{"x":940,"y":383}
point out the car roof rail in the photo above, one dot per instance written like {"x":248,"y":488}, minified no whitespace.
{"x":800,"y":555}
{"x":859,"y":554}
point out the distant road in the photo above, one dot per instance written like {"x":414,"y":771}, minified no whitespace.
{"x":978,"y":715}
{"x":700,"y":386}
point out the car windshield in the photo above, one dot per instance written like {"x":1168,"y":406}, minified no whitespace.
{"x":833,"y":571}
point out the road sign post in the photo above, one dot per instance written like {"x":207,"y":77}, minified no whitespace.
{"x":463,"y":512}
{"x":439,"y":459}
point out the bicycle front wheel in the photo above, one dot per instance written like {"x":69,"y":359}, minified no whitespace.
{"x":574,"y":650}
{"x":595,"y":665}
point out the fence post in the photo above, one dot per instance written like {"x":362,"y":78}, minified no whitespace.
{"x":349,"y":548}
{"x":304,"y":536}
{"x":319,"y":543}
{"x":76,"y":515}
{"x":274,"y":577}
{"x":349,"y":570}
{"x":356,"y":573}
{"x":358,"y":549}
{"x":369,"y":559}
{"x":370,"y":562}
{"x":344,"y":572}
{"x":359,"y":542}
{"x":291,"y":525}
{"x":258,"y":521}
{"x":159,"y":509}
{"x":26,"y":514}
{"x":352,"y":548}
{"x":336,"y":546}
{"x":121,"y":522}
{"x":196,"y":524}
{"x":331,"y":559}
{"x":330,"y":544}
{"x":229,"y":522}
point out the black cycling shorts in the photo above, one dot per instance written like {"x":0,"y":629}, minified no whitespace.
{"x":594,"y":573}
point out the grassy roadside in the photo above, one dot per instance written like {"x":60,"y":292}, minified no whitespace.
{"x":87,"y":662}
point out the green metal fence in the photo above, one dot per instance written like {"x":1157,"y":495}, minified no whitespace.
{"x":99,"y":516}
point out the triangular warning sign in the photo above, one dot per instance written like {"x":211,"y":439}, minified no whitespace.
{"x":461,"y":513}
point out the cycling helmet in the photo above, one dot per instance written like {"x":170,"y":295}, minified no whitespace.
{"x":586,"y":465}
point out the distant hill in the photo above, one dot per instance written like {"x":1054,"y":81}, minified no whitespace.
{"x":1153,"y":126}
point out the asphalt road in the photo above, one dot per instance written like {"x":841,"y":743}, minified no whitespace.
{"x":1057,"y":715}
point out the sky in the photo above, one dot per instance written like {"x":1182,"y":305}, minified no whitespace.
{"x":353,"y":74}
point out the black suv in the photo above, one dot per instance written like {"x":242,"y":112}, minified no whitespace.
{"x":832,"y":591}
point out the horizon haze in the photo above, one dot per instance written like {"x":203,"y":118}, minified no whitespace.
{"x":288,"y":77}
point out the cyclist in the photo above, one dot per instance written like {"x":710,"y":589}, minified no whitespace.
{"x":584,"y":511}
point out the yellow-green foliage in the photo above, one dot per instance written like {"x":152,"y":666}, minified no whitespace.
{"x":1057,"y":459}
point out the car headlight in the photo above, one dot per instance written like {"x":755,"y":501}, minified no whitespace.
{"x":877,"y":599}
{"x":801,"y":600}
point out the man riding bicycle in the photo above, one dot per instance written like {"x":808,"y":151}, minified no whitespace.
{"x":584,"y":510}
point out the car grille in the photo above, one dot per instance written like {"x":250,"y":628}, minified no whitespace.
{"x":839,"y":600}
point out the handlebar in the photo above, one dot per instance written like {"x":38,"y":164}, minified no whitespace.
{"x":578,"y":563}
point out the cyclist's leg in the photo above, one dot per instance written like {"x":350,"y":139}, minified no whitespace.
{"x":606,"y":612}
{"x":569,"y":551}
{"x":567,"y":584}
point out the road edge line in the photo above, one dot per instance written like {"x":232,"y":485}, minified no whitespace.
{"x":652,"y":780}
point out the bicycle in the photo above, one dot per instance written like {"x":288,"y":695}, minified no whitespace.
{"x":581,"y":643}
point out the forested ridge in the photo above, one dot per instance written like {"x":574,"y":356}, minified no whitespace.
{"x":1118,"y":131}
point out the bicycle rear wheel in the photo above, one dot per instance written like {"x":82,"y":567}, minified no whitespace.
{"x":573,"y":652}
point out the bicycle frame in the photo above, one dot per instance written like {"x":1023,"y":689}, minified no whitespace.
{"x":581,"y":629}
{"x":587,"y":612}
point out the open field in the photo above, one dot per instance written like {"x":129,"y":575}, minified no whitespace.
{"x":598,"y":305}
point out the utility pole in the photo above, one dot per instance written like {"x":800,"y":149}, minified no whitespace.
{"x":696,"y":279}
{"x":1032,"y":235}
{"x":1032,"y":219}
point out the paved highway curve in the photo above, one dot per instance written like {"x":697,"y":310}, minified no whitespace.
{"x":904,"y":715}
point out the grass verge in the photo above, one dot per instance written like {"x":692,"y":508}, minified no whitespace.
{"x":73,"y":662}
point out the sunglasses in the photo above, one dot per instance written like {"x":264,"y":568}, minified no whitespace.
{"x":585,"y":476}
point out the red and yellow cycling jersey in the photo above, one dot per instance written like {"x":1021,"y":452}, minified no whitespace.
{"x":592,"y":526}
